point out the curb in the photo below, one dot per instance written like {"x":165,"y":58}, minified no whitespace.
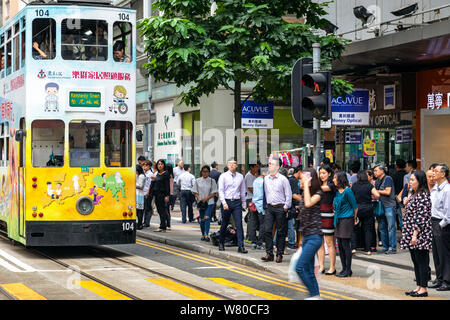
{"x":250,"y":262}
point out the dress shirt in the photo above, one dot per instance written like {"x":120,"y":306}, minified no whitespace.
{"x":176,"y":173}
{"x":406,"y":178}
{"x":249,"y":179}
{"x":204,"y":187}
{"x":186,"y":181}
{"x":148,"y":180}
{"x":258,"y":194}
{"x":440,"y":203}
{"x":278,"y":190}
{"x":231,"y":186}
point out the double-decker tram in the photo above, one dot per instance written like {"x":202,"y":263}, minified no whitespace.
{"x":67,"y":142}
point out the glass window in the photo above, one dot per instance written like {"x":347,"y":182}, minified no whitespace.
{"x":16,"y":52}
{"x":118,"y":143}
{"x":84,"y":143}
{"x":4,"y":145}
{"x":44,"y":39}
{"x":2,"y":61}
{"x":47,"y":143}
{"x":123,"y":44}
{"x":23,"y":49}
{"x":8,"y":57}
{"x":84,"y":40}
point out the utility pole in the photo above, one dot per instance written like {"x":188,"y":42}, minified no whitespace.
{"x":148,"y":139}
{"x":316,"y":122}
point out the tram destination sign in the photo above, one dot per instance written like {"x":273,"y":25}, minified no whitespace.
{"x":85,"y":99}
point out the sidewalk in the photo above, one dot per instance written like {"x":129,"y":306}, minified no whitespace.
{"x":396,"y":271}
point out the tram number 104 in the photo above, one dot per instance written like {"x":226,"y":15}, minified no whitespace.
{"x":128,"y":226}
{"x":42,"y":13}
{"x":124,"y":16}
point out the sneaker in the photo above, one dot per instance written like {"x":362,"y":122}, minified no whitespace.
{"x":254,"y":246}
{"x":384,"y":250}
{"x":247,"y":241}
{"x":390,"y":251}
{"x":292,"y":246}
{"x":314,"y":298}
{"x":260,"y":247}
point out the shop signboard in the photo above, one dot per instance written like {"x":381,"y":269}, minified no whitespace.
{"x":369,"y":149}
{"x":353,"y":137}
{"x":257,"y":115}
{"x":353,"y":110}
{"x":403,"y":135}
{"x":389,"y":97}
{"x":329,"y":154}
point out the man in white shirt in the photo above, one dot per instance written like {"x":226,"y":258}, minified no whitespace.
{"x":179,"y":169}
{"x":186,"y":181}
{"x":440,"y":222}
{"x":279,"y":199}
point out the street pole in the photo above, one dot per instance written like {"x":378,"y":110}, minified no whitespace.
{"x":316,"y":122}
{"x":148,"y":139}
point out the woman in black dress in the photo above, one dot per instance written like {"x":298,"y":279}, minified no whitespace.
{"x":327,"y":216}
{"x":364,"y":192}
{"x":161,"y":192}
{"x":417,"y":233}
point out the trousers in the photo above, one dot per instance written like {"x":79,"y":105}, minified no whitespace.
{"x":278,"y":216}
{"x":235,"y":210}
{"x":421,"y":261}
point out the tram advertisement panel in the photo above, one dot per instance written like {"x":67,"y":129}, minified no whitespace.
{"x":81,"y":112}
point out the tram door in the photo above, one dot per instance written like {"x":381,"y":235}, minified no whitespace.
{"x":21,"y":157}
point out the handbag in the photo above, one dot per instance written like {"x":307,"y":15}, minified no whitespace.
{"x":378,"y":209}
{"x":203,"y":205}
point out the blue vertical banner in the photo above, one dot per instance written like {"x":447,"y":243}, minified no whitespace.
{"x":257,"y":115}
{"x":353,"y":110}
{"x":389,"y":97}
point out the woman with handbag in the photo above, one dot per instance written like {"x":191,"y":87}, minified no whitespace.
{"x":417,"y":232}
{"x":364,"y":193}
{"x":310,"y":226}
{"x":345,"y":217}
{"x":204,"y":189}
{"x":140,"y":183}
{"x":327,"y":214}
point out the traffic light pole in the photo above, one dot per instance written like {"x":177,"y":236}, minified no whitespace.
{"x":316,"y":122}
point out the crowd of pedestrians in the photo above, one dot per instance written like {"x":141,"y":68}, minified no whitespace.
{"x":325,"y":212}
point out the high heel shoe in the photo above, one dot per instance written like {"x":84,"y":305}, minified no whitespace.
{"x":330,"y":273}
{"x":419,"y":295}
{"x":322,"y":271}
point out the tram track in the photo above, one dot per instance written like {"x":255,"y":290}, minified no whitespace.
{"x":105,"y":253}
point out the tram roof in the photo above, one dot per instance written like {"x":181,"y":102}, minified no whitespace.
{"x":87,"y":3}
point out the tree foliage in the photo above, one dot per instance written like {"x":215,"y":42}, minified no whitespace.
{"x":244,"y":40}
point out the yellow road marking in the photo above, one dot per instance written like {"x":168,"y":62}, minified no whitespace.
{"x":101,"y":290}
{"x":21,"y":291}
{"x":242,"y":271}
{"x":237,"y":269}
{"x":182,"y":289}
{"x":256,"y":292}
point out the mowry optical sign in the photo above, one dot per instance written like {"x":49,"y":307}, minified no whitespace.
{"x":257,"y":115}
{"x":353,"y":110}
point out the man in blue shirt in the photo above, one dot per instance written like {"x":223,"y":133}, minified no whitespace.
{"x":258,"y":200}
{"x":385,"y":186}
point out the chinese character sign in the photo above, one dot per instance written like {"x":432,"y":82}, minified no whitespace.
{"x":369,"y":149}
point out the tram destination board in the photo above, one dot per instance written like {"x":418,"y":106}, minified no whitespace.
{"x":85,"y":99}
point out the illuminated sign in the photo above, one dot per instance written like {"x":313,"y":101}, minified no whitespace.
{"x":85,"y":99}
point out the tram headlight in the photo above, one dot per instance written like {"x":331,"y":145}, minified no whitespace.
{"x":85,"y":205}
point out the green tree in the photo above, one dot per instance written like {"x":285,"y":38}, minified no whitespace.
{"x":243,"y":41}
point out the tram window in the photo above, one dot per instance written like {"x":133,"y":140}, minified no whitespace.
{"x":122,"y":37}
{"x":16,"y":52}
{"x":44,"y":39}
{"x":3,"y":147}
{"x":118,"y":143}
{"x":8,"y":58}
{"x":2,"y":61}
{"x":23,"y":49}
{"x":47,"y":143}
{"x":84,"y":40}
{"x":84,"y":143}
